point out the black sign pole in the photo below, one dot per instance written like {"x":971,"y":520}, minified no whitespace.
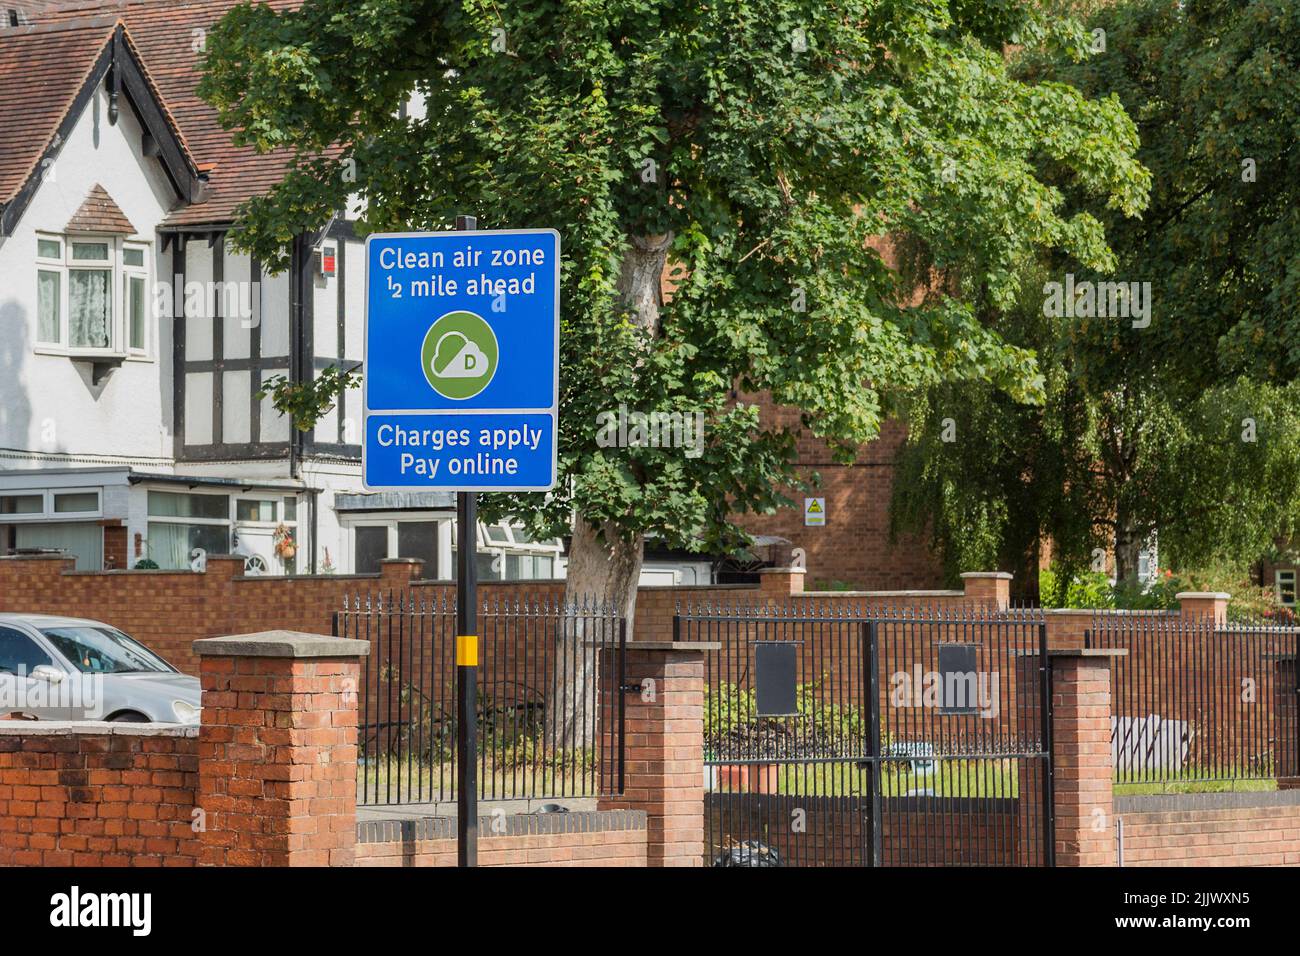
{"x":466,"y":663}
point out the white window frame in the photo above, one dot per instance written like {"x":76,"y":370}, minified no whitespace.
{"x":1279,"y":576}
{"x":54,"y":266}
{"x":552,"y":548}
{"x":120,"y":279}
{"x":132,"y":273}
{"x":389,"y":520}
{"x":47,"y":512}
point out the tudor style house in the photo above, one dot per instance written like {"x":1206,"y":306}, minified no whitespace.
{"x":134,"y":342}
{"x":134,"y":339}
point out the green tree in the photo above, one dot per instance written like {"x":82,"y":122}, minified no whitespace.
{"x":1187,"y":428}
{"x":755,"y":147}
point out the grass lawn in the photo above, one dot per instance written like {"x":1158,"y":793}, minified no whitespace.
{"x":957,"y":777}
{"x":1141,"y":789}
{"x":379,"y":779}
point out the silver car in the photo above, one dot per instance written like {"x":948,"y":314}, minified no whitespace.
{"x":67,"y":668}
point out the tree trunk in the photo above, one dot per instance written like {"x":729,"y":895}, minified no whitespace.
{"x":605,"y":560}
{"x":1128,"y":550}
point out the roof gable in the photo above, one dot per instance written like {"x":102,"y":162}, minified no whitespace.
{"x":101,"y":215}
{"x":48,"y":73}
{"x":164,"y":33}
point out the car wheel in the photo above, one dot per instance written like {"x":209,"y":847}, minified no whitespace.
{"x":129,"y":717}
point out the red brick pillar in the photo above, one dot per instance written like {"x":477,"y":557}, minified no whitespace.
{"x":278,"y":749}
{"x":774,"y":584}
{"x":1082,"y":770}
{"x":664,"y":763}
{"x":988,"y":588}
{"x":398,"y":573}
{"x":1211,"y":605}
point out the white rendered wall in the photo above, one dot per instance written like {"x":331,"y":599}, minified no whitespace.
{"x":48,"y":405}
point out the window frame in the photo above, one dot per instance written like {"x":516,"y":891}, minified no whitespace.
{"x":47,"y":512}
{"x":1294,"y":575}
{"x":140,"y":273}
{"x":121,"y":277}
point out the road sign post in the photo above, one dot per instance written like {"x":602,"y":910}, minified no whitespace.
{"x":461,"y":393}
{"x":467,"y":662}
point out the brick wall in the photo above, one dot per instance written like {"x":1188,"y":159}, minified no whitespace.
{"x":1211,"y":829}
{"x":585,"y":838}
{"x":169,"y":610}
{"x":97,"y":794}
{"x":853,"y":548}
{"x":836,"y":831}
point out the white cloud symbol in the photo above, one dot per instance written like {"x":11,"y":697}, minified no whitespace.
{"x":466,"y":360}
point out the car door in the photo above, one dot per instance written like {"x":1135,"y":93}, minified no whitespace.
{"x":19,"y":692}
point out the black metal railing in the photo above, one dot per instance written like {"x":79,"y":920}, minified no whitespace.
{"x":1197,"y":701}
{"x":550,"y":716}
{"x":838,"y":735}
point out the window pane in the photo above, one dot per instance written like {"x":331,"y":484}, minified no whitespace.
{"x":419,"y":539}
{"x":484,"y":561}
{"x":521,"y":535}
{"x":83,"y":540}
{"x":49,"y":249}
{"x":519,"y":567}
{"x":48,"y":305}
{"x":132,"y":257}
{"x":21,"y":504}
{"x":170,"y":544}
{"x":498,"y":534}
{"x":371,"y":548}
{"x":80,"y":501}
{"x":135,"y":309}
{"x":90,"y":251}
{"x":290,"y":509}
{"x":19,"y":653}
{"x":248,"y":510}
{"x":543,"y":566}
{"x":89,"y":308}
{"x":167,"y":504}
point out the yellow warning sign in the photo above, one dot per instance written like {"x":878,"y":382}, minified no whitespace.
{"x":814,"y":512}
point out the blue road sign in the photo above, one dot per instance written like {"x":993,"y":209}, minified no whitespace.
{"x":462,"y":360}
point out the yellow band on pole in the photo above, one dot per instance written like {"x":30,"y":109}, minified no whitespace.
{"x":467,"y":651}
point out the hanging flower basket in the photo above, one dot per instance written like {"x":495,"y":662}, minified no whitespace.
{"x":285,"y":546}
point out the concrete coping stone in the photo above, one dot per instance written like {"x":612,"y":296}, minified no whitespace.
{"x":674,"y":645}
{"x":658,"y":645}
{"x":516,"y":824}
{"x":296,"y":644}
{"x":78,"y":728}
{"x":1203,"y":595}
{"x":782,"y":571}
{"x":998,"y":575}
{"x":869,"y":594}
{"x":1088,"y":652}
{"x":1176,"y":802}
{"x":1106,"y":612}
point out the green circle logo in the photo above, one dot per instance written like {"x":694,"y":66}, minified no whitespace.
{"x":459,"y":355}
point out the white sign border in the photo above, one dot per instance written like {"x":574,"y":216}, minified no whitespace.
{"x":553,"y":411}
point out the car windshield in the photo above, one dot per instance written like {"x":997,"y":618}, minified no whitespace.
{"x":104,"y":650}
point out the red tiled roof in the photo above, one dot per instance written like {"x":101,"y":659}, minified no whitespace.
{"x":41,"y":72}
{"x":99,"y":214}
{"x":162,"y":32}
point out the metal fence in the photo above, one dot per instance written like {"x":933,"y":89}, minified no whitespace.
{"x":874,"y":736}
{"x":550,"y":717}
{"x":1196,"y":701}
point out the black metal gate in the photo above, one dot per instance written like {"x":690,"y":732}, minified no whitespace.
{"x":839,"y":736}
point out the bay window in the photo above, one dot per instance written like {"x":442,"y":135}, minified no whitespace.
{"x":92,"y":296}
